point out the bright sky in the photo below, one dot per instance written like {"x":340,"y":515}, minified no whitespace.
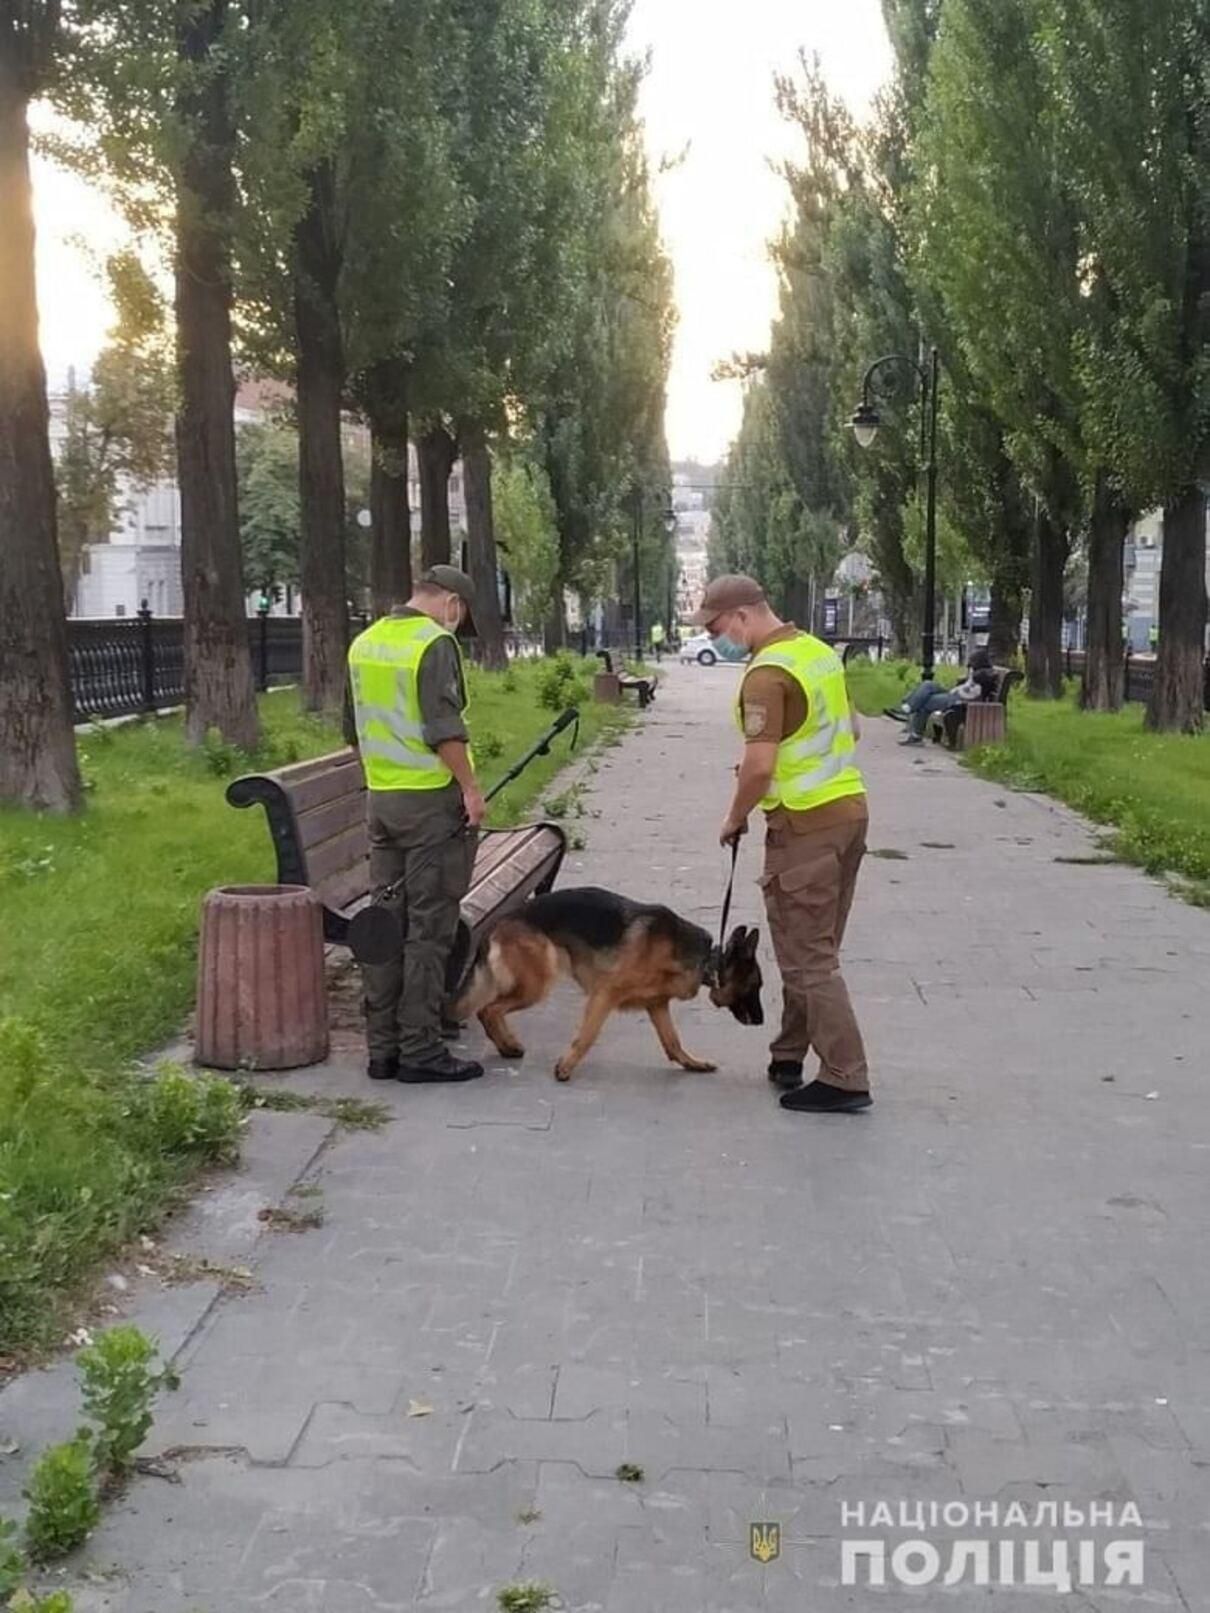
{"x":710,"y":88}
{"x":711,"y":85}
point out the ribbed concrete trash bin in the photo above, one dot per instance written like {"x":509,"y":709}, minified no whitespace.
{"x":261,"y":1003}
{"x":607,"y":688}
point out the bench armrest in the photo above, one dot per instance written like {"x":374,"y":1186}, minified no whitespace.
{"x":255,"y":789}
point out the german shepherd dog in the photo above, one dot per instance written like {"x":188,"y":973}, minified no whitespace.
{"x":622,"y":954}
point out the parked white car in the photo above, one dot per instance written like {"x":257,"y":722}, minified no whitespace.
{"x":706,"y":651}
{"x":699,"y":648}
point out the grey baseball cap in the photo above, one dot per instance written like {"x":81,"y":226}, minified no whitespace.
{"x":454,"y":582}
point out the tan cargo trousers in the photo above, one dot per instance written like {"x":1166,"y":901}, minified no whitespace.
{"x":808,"y":883}
{"x":415,"y":834}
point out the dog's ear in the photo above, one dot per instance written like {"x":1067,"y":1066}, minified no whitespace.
{"x":751,"y":939}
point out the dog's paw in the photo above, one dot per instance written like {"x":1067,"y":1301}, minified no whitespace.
{"x":514,"y":1052}
{"x":699,"y":1066}
{"x":562,"y":1071}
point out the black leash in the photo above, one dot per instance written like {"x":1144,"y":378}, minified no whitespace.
{"x":716,"y":960}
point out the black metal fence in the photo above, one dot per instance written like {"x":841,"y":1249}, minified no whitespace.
{"x":1140,"y":675}
{"x":137,"y":663}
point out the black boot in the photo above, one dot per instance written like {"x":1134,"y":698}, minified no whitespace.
{"x":786,"y":1073}
{"x":385,"y":1069}
{"x":821,"y":1099}
{"x":443,"y":1066}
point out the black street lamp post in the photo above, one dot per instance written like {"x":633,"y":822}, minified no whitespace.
{"x":638,"y":587}
{"x":670,"y":524}
{"x":865,"y":423}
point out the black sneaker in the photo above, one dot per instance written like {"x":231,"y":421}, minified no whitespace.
{"x":386,"y":1069}
{"x":818,"y":1098}
{"x":445,"y":1067}
{"x":899,"y":713}
{"x":786,"y":1073}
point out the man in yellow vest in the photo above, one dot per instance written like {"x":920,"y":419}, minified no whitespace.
{"x":798,"y":766}
{"x":424,"y":806}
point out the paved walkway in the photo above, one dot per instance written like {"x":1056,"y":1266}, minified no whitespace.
{"x":991,"y":1288}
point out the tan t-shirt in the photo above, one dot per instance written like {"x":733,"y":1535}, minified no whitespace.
{"x":774,"y":706}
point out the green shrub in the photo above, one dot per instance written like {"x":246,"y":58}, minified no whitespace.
{"x":221,"y":758}
{"x":560,"y":683}
{"x":531,"y":1596}
{"x":62,"y":1496}
{"x":187,"y":1116}
{"x":26,"y":1602}
{"x":12,"y":1559}
{"x":120,"y":1380}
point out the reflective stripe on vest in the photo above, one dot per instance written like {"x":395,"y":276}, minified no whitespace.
{"x":815,"y":764}
{"x":384,"y":665}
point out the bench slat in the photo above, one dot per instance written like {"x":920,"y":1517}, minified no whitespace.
{"x":337,"y":854}
{"x":341,"y":775}
{"x":521,"y":869}
{"x":323,"y":822}
{"x":497,"y":844}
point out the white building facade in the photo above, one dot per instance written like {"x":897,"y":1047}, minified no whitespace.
{"x":1143,"y":558}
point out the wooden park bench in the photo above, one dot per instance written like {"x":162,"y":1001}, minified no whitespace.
{"x":642,"y":688}
{"x":977,"y":722}
{"x":316,"y":814}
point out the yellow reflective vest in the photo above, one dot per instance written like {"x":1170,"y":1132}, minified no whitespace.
{"x":814,"y":765}
{"x":384,"y":666}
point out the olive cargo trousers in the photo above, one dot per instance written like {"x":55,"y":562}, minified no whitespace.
{"x":418,"y":835}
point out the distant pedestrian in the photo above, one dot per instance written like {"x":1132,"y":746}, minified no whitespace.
{"x":657,"y":639}
{"x":930,"y":697}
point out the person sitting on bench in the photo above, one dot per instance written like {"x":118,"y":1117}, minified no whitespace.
{"x":929,"y":697}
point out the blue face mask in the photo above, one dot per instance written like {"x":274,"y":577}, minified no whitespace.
{"x":726,"y":645}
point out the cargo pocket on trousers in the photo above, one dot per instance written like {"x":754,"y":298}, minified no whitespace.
{"x":806,"y":899}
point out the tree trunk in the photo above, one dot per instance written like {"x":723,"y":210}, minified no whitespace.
{"x":218,"y":664}
{"x":37,"y":748}
{"x":1177,"y":696}
{"x":481,"y":546}
{"x":1008,"y":556}
{"x":391,"y":528}
{"x":436,"y":452}
{"x":554,"y":630}
{"x":1004,"y":623}
{"x":321,"y":487}
{"x":1102,"y":687}
{"x":1044,"y":661}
